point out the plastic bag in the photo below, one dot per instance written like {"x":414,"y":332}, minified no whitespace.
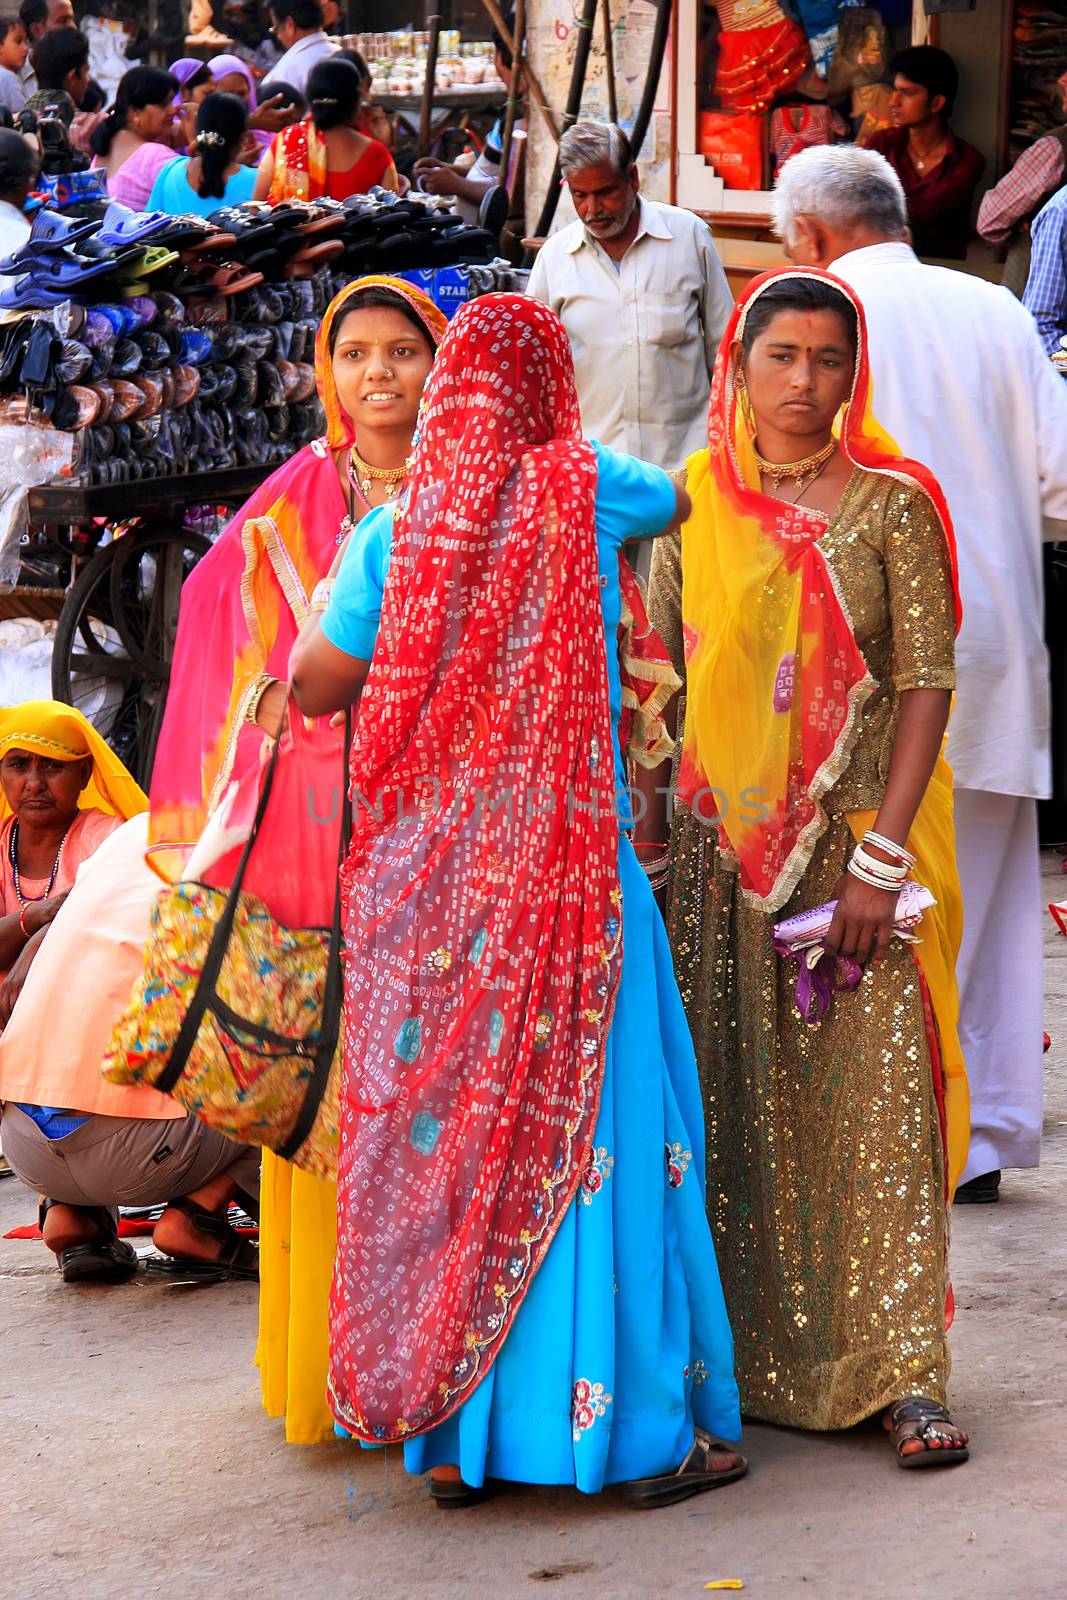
{"x":30,"y":455}
{"x":861,"y":56}
{"x":732,"y":142}
{"x":819,"y":19}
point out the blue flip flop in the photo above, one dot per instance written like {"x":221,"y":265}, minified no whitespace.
{"x":121,"y":226}
{"x":50,"y":232}
{"x":26,"y":294}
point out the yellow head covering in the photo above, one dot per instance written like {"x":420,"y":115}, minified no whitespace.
{"x":48,"y":728}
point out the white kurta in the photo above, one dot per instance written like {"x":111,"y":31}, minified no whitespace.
{"x":963,"y":385}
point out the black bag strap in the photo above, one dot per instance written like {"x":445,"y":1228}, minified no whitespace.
{"x":206,"y":998}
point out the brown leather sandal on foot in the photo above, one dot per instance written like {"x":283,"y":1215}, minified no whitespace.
{"x":928,"y":1414}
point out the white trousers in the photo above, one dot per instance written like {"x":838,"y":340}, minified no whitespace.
{"x":1000,"y":978}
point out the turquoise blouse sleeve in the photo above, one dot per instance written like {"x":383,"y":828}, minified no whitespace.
{"x":350,"y":621}
{"x":634,"y":499}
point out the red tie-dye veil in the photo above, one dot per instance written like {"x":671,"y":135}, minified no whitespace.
{"x":483,"y":927}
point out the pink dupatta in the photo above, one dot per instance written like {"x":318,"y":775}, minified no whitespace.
{"x":241,"y":610}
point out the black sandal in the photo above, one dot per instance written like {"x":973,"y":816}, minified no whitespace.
{"x":927,"y":1413}
{"x":452,"y":1493}
{"x":108,"y":1259}
{"x":239,"y":1258}
{"x":692,"y":1477}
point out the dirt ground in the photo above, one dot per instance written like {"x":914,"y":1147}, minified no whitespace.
{"x":135,"y":1460}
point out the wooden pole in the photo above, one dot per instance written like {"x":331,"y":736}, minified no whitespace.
{"x":433,"y":26}
{"x":538,"y":95}
{"x":609,"y":64}
{"x":515,"y":92}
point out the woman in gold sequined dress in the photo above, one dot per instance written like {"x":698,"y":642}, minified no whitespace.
{"x":810,"y":604}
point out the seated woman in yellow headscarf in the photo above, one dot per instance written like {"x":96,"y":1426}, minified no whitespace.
{"x":85,"y":1144}
{"x":64,"y":791}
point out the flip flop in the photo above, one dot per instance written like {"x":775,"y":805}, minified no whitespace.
{"x":29,"y":294}
{"x":153,"y":259}
{"x":229,"y":279}
{"x":49,"y":232}
{"x":692,"y":1477}
{"x":121,"y":226}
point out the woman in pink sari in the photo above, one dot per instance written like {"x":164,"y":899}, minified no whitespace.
{"x":245,"y":603}
{"x":240,"y":614}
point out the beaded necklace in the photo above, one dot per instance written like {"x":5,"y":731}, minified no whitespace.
{"x":13,"y":857}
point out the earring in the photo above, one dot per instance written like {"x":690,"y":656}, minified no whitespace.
{"x":744,"y":400}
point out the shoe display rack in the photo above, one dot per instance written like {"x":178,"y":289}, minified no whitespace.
{"x":177,"y":354}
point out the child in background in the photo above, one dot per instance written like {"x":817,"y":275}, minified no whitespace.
{"x":14,"y":48}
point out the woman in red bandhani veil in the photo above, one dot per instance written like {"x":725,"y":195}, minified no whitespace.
{"x":525,"y":1285}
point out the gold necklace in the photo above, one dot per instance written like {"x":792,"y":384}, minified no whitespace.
{"x":362,"y":475}
{"x":922,"y":162}
{"x":802,"y":471}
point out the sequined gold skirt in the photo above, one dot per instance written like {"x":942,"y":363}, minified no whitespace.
{"x":825,"y":1167}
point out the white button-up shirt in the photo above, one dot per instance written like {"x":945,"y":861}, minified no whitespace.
{"x":297,"y":62}
{"x":962,"y":384}
{"x":644,"y":331}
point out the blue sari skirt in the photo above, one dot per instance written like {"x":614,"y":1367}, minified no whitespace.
{"x":622,"y":1345}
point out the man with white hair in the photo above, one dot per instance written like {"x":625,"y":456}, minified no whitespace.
{"x":643,"y":297}
{"x":961,"y":382}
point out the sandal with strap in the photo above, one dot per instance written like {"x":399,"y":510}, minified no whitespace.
{"x":108,"y":1259}
{"x":451,"y":1494}
{"x":239,"y":1258}
{"x":693,"y":1476}
{"x":927,"y":1413}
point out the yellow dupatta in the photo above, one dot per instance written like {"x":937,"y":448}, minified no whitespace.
{"x":776,"y":683}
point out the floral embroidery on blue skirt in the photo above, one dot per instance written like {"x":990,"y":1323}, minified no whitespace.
{"x":588,"y":1402}
{"x":678,"y":1159}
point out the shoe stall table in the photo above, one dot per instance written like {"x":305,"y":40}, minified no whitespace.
{"x":452,"y":108}
{"x":118,"y":619}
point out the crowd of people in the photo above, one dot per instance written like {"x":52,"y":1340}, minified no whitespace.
{"x":654,"y":1095}
{"x":220,"y":129}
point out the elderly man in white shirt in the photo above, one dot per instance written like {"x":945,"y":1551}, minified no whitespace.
{"x":961,"y":382}
{"x":298,"y":28}
{"x":643,"y":297}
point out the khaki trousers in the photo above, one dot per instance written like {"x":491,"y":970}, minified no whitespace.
{"x":125,"y":1161}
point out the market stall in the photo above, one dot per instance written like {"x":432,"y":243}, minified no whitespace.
{"x":153,"y":371}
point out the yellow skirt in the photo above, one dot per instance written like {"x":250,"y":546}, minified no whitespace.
{"x":298,"y":1235}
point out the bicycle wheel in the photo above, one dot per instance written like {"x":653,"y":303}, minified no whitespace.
{"x":115,"y":638}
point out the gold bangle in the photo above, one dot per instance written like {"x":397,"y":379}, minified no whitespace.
{"x":259,"y":689}
{"x":320,"y":596}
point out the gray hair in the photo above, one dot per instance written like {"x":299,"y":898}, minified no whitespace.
{"x":847,"y":188}
{"x":595,"y":144}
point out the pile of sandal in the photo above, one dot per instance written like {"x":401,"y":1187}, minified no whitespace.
{"x":170,"y":345}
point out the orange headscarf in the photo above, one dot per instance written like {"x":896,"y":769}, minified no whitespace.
{"x":243,"y":606}
{"x":339,"y":432}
